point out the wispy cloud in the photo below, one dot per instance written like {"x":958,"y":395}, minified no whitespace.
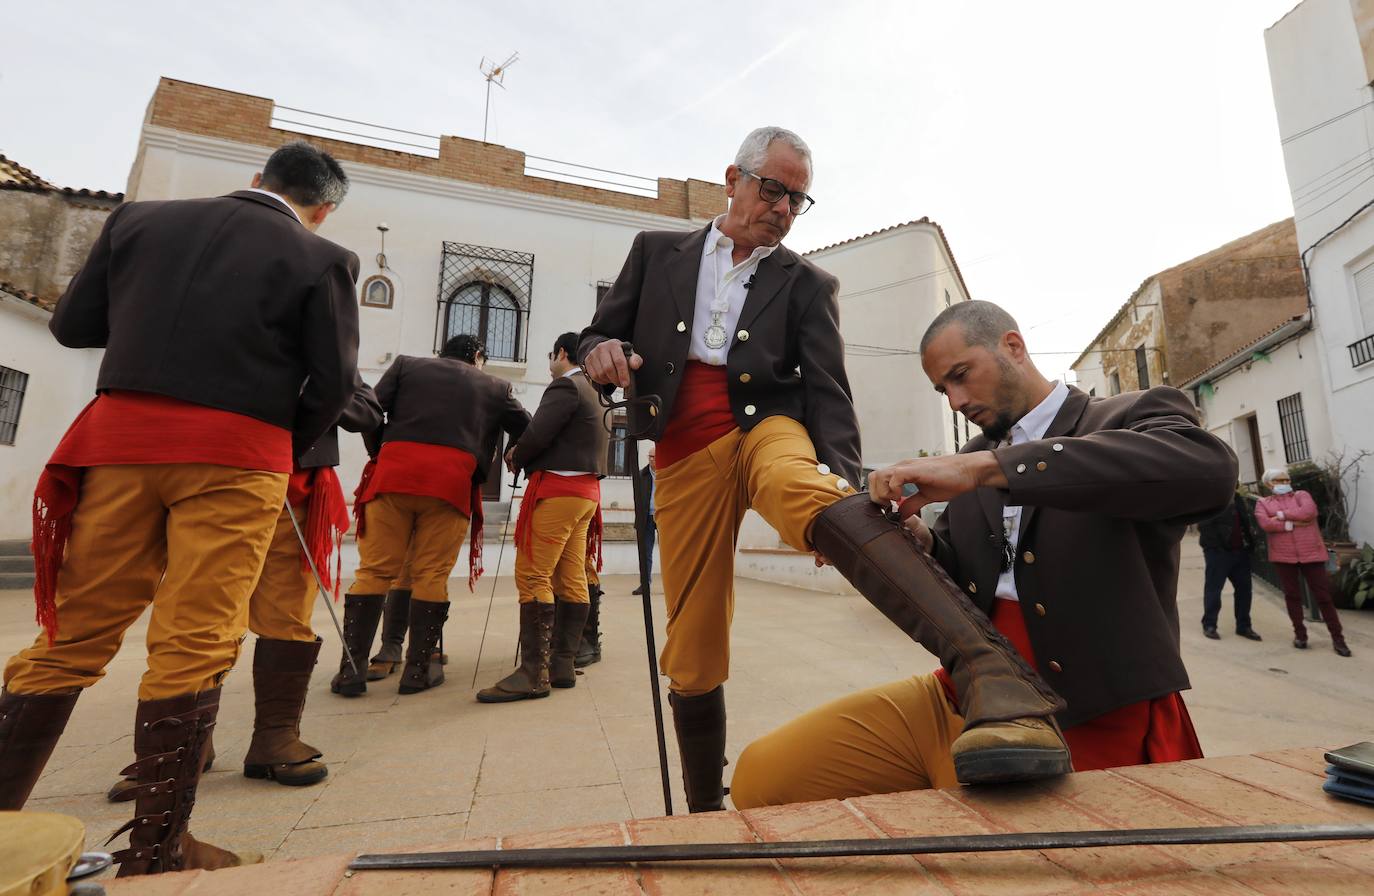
{"x":732,"y":81}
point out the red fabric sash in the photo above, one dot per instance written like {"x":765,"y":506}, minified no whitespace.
{"x":326,"y":522}
{"x":136,"y":428}
{"x":1157,"y":730}
{"x":435,"y":471}
{"x":701,"y":413}
{"x":543,"y":484}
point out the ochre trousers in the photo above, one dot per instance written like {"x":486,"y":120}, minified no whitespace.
{"x":427,"y":531}
{"x":282,"y":602}
{"x":886,"y":739}
{"x":188,"y":538}
{"x":699,"y":504}
{"x":555,"y":561}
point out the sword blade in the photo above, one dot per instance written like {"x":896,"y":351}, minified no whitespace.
{"x":691,"y":852}
{"x":323,"y":591}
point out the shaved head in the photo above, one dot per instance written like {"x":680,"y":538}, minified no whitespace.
{"x":984,"y":324}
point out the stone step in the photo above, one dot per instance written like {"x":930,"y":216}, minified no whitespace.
{"x":17,"y":547}
{"x":15,"y":564}
{"x":16,"y":581}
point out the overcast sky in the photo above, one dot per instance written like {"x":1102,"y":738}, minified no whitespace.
{"x":1069,"y":149}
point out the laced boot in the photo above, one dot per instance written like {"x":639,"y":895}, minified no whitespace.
{"x":531,"y":679}
{"x":589,"y":651}
{"x":281,"y":677}
{"x":361,"y":614}
{"x":568,"y":621}
{"x":699,"y":723}
{"x":30,"y":726}
{"x":395,"y":619}
{"x":1009,"y":733}
{"x":424,"y":667}
{"x":170,"y":741}
{"x":123,"y":790}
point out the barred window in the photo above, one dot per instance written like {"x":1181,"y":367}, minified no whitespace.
{"x":1294,"y":427}
{"x":13,"y":384}
{"x":485,"y":292}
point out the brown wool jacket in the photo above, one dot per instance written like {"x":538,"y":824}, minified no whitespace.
{"x":787,"y":357}
{"x":567,"y":431}
{"x":1107,"y":495}
{"x":444,"y":401}
{"x":228,"y":303}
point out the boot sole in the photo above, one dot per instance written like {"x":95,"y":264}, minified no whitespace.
{"x":580,"y":663}
{"x":412,"y":689}
{"x":563,"y":683}
{"x":1010,"y":764}
{"x":349,"y":690}
{"x":512,"y":698}
{"x":261,"y":772}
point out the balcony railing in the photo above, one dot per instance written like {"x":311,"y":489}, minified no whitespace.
{"x":1361,"y":351}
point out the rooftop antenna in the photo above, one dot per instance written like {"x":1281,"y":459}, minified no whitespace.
{"x":495,"y":74}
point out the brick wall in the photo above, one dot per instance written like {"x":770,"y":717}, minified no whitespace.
{"x":211,"y":112}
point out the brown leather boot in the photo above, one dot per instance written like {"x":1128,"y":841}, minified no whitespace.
{"x":699,"y":723}
{"x":424,"y":667}
{"x":996,"y":686}
{"x":170,"y":740}
{"x":568,"y":621}
{"x":531,"y":679}
{"x":395,"y":620}
{"x":124,"y":789}
{"x":589,"y":651}
{"x":281,"y":677}
{"x":361,"y":613}
{"x":30,"y":725}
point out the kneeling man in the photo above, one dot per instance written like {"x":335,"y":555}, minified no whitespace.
{"x":1063,"y":527}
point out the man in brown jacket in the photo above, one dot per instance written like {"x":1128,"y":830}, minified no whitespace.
{"x":563,"y":451}
{"x":230,"y":332}
{"x":419,"y":498}
{"x":1063,"y":527}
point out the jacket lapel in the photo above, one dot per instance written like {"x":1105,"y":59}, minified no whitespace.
{"x":773,"y":273}
{"x":683,"y":270}
{"x":1065,"y":423}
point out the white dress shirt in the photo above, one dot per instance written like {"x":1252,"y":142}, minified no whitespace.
{"x":574,"y":372}
{"x":1028,"y":429}
{"x":280,"y":199}
{"x":720,"y":290}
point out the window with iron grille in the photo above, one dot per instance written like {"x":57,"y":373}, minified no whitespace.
{"x":13,"y":383}
{"x":619,"y":454}
{"x":1294,"y":428}
{"x":485,"y":292}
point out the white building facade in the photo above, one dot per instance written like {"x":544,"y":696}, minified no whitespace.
{"x":1321,"y":64}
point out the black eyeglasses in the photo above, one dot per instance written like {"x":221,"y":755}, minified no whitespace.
{"x":771,"y":190}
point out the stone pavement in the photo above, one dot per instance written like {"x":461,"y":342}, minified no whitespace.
{"x":438,"y":767}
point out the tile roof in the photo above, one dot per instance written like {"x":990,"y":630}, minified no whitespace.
{"x":14,"y":176}
{"x":923,"y":220}
{"x":26,"y":296}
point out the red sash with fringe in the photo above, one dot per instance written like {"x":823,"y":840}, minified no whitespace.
{"x":435,"y":471}
{"x":1157,"y":730}
{"x":543,"y":484}
{"x":136,"y":428}
{"x":325,"y":522}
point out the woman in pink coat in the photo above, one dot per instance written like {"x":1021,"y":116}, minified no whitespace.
{"x":1296,"y":549}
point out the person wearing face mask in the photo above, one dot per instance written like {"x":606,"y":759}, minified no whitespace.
{"x":1289,"y":519}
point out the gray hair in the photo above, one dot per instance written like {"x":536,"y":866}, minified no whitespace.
{"x":305,"y":174}
{"x":984,"y":323}
{"x":753,"y":152}
{"x":1273,"y":473}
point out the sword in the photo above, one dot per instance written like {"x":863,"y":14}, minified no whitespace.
{"x":898,"y":846}
{"x":324,"y":592}
{"x":632,"y":398}
{"x":500,"y":553}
